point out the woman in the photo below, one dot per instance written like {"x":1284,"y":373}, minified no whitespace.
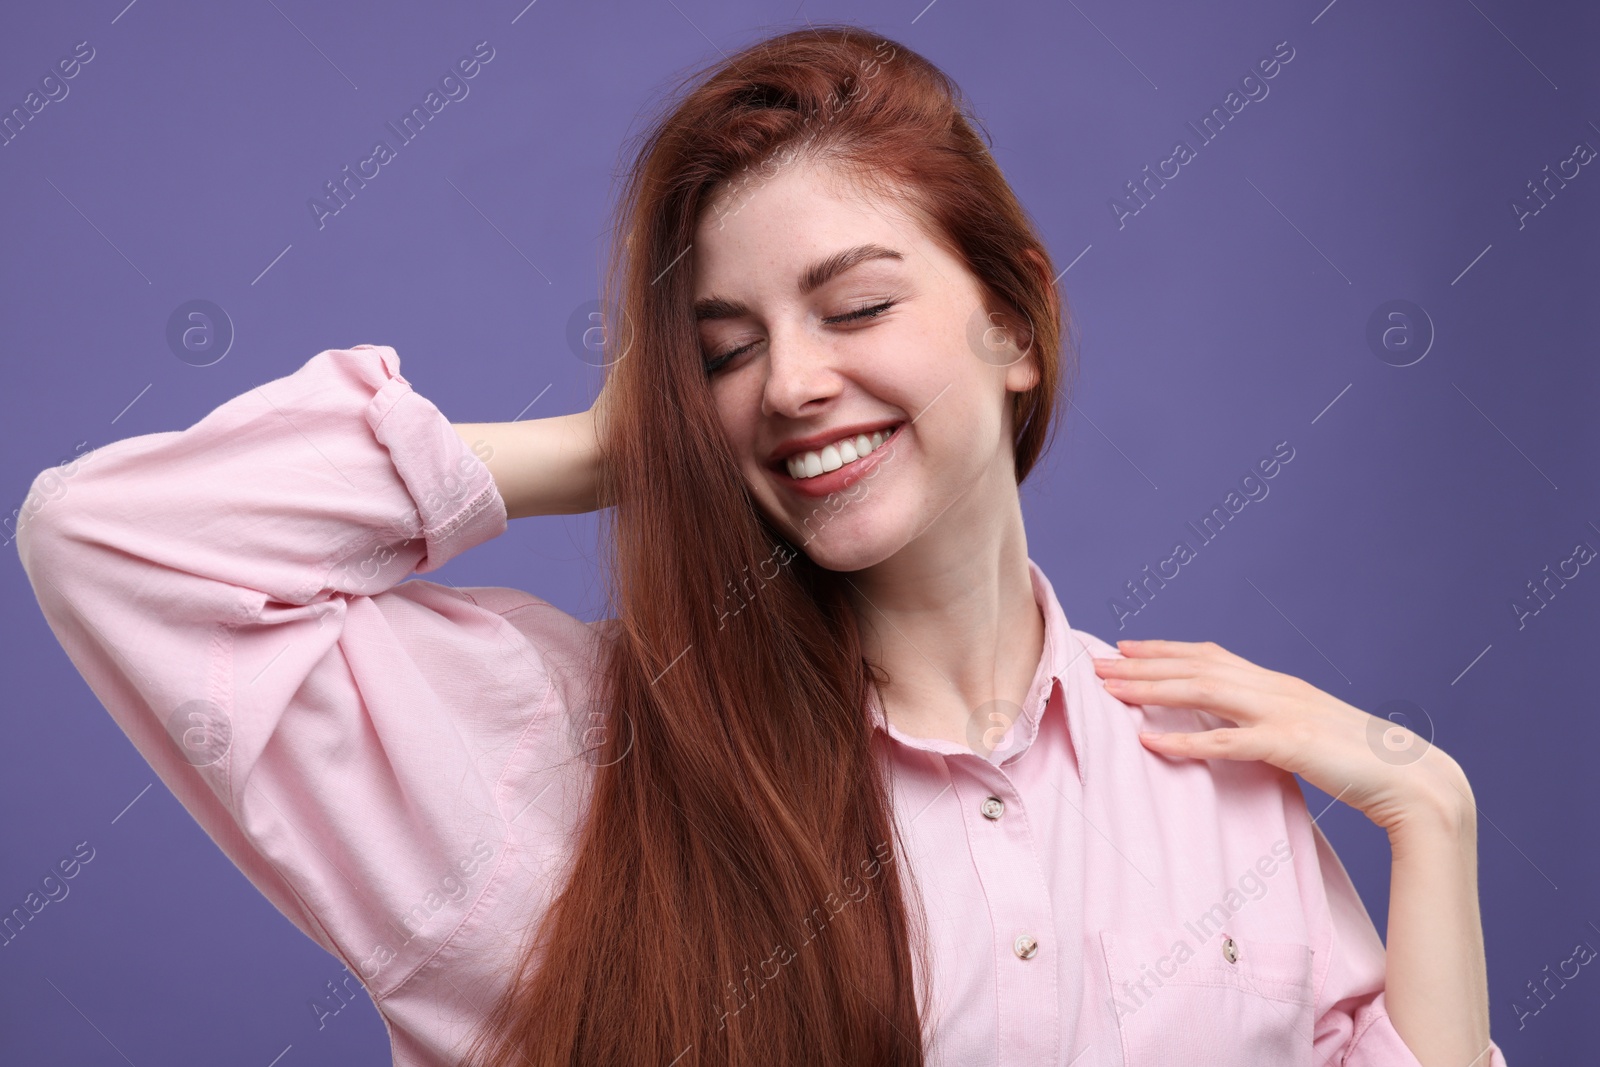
{"x":838,"y":784}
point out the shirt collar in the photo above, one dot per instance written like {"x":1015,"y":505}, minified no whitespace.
{"x":1064,"y":656}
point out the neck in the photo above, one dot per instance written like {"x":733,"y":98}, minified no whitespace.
{"x":952,"y":618}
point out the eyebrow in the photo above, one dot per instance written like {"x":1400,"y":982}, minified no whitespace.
{"x":812,"y":278}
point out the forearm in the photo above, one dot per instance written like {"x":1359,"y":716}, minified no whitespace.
{"x":547,"y":466}
{"x":1437,"y":983}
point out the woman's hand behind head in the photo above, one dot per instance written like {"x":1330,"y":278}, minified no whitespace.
{"x":598,"y":423}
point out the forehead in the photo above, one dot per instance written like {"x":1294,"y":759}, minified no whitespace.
{"x":767,"y":228}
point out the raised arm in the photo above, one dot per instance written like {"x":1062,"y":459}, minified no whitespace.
{"x":1437,"y":982}
{"x":550,"y":466}
{"x":228,"y":593}
{"x":547,"y":466}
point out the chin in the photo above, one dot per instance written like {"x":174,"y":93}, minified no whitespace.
{"x":849,"y":553}
{"x":847,"y":531}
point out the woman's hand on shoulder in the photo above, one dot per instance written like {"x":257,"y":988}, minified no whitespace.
{"x":1383,"y":769}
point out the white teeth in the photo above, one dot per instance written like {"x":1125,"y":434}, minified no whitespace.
{"x":832,"y":457}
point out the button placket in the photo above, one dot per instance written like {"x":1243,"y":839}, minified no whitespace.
{"x":1017,"y":903}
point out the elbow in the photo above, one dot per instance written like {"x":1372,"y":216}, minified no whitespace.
{"x":51,"y":528}
{"x":35,"y":527}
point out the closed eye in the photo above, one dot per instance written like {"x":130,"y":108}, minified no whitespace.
{"x":717,"y":362}
{"x":864,"y":313}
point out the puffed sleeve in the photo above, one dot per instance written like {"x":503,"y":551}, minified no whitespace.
{"x":228,"y":593}
{"x":1352,"y":1022}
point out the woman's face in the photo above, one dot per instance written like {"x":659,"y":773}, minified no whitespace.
{"x":792,"y":275}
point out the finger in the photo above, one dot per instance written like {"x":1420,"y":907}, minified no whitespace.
{"x":1208,"y":650}
{"x":1210,"y":692}
{"x":1233,"y":743}
{"x":1154,"y":668}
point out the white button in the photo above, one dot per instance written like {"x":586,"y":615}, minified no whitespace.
{"x":1230,"y":951}
{"x":992,"y":808}
{"x":1025,"y":947}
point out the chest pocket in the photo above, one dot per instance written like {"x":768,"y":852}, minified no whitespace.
{"x":1221,"y":1001}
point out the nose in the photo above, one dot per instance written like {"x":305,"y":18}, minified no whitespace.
{"x":800,"y":373}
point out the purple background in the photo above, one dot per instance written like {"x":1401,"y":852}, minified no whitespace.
{"x":1229,"y":314}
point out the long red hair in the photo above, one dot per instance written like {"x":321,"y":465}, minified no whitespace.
{"x":735,"y":896}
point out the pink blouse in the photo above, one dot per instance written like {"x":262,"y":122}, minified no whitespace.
{"x":400,"y":765}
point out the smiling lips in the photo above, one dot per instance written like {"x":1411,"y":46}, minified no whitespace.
{"x":836,"y":466}
{"x":804,"y":465}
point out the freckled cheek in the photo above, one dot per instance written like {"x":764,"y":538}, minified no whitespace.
{"x":735,"y":423}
